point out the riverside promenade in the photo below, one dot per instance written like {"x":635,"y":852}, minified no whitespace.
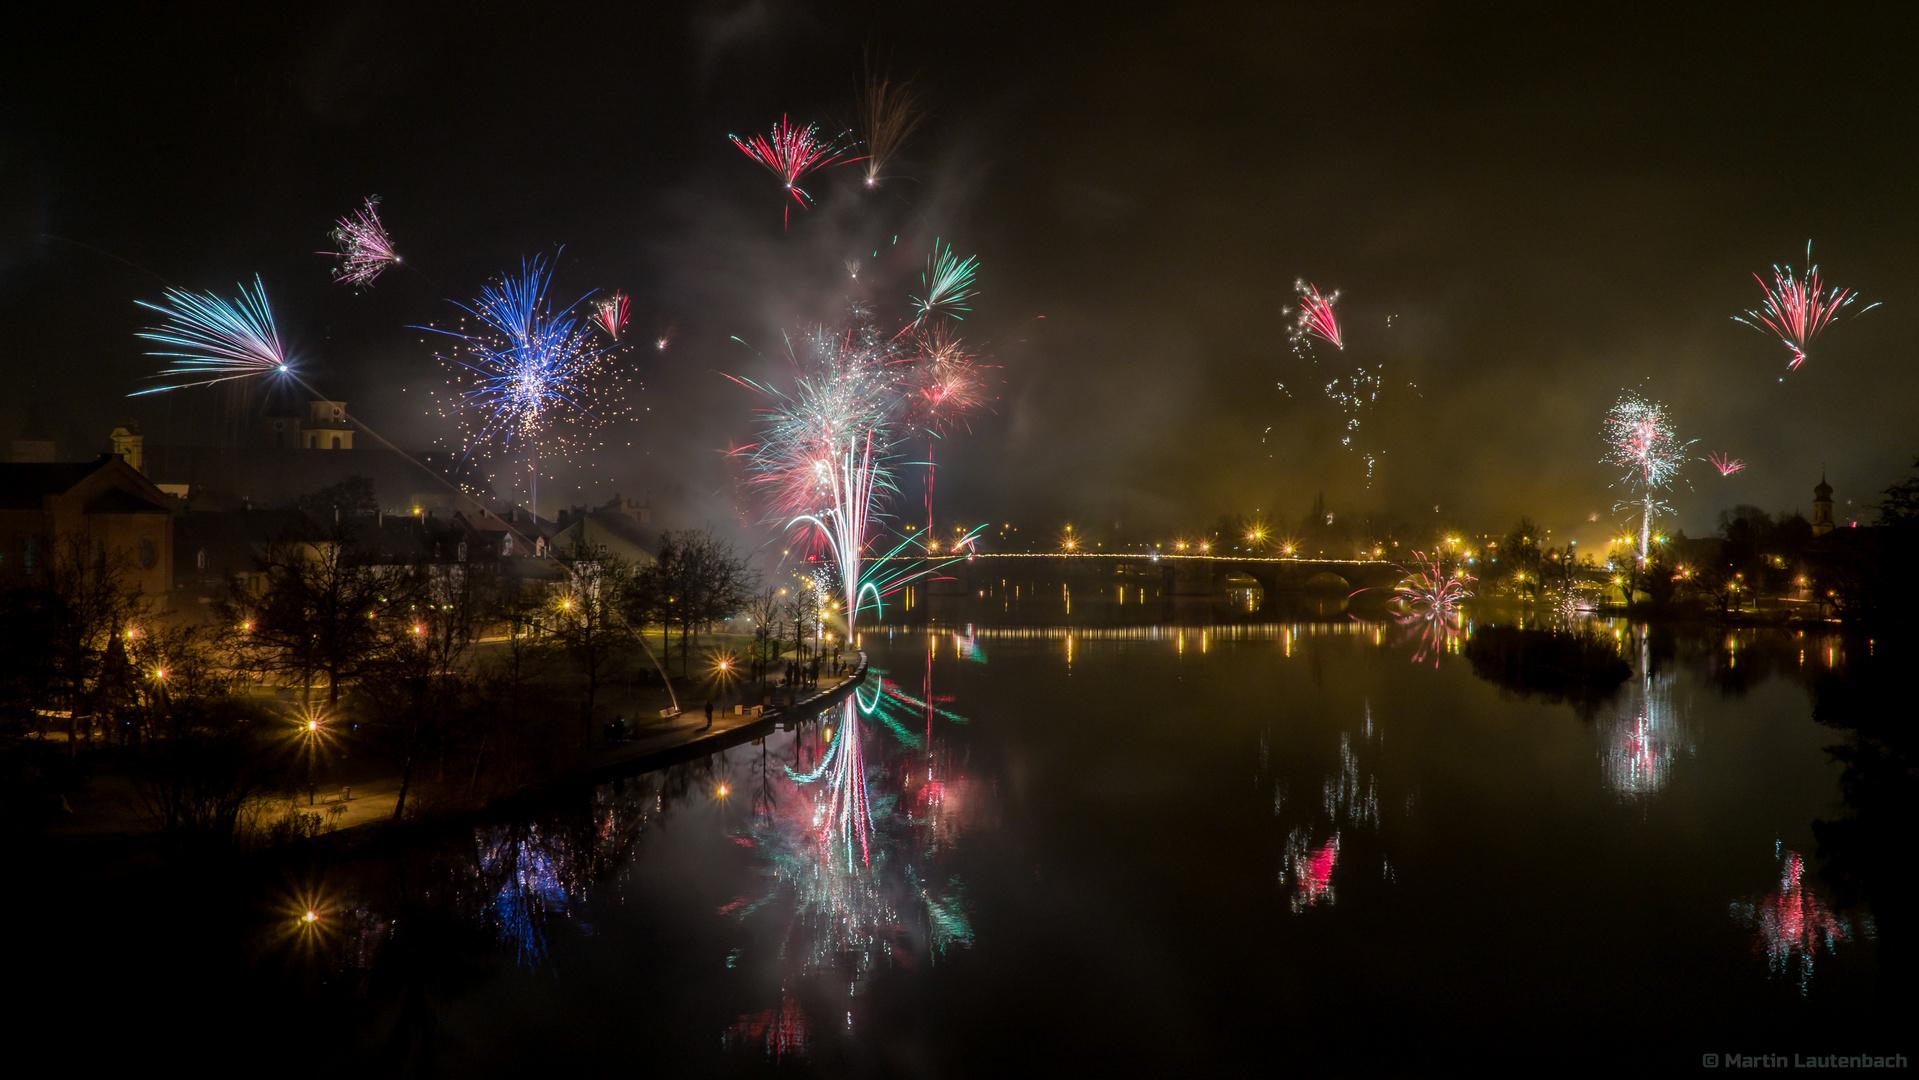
{"x":114,"y":806}
{"x":659,"y":744}
{"x":653,"y":745}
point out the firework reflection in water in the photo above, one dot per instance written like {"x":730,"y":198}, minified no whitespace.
{"x":1432,"y":591}
{"x":1350,"y":805}
{"x":1793,"y":923}
{"x":1646,"y":735}
{"x":854,"y":865}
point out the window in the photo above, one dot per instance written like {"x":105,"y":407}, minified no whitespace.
{"x":336,"y":442}
{"x":200,"y":560}
{"x":149,"y":554}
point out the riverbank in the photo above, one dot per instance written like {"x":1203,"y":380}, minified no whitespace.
{"x":111,"y":831}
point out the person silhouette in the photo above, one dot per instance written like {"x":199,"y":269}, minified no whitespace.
{"x":709,"y":714}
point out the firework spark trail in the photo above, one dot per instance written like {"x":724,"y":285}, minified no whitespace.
{"x":1433,"y":589}
{"x":1640,"y":440}
{"x":1316,"y":317}
{"x":826,"y":455}
{"x":1797,"y":307}
{"x":943,"y":383}
{"x":530,"y":366}
{"x":948,"y":282}
{"x":610,"y":313}
{"x":214,"y":340}
{"x":365,"y":247}
{"x":1431,"y":586}
{"x":889,"y":112}
{"x":1726,"y":465}
{"x":943,"y":387}
{"x":789,"y":153}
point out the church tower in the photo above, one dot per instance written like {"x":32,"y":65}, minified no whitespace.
{"x":1822,"y":507}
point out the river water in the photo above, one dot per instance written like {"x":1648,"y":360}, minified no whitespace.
{"x":1134,"y":848}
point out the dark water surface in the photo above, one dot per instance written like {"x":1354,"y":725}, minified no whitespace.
{"x":1139,"y":850}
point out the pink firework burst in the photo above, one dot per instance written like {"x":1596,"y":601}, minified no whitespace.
{"x":1726,"y":465}
{"x":790,"y":152}
{"x":1316,"y":317}
{"x":365,"y":248}
{"x":610,"y":313}
{"x":1797,"y":307}
{"x":945,"y":382}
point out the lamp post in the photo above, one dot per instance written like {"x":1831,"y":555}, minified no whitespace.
{"x":310,"y":731}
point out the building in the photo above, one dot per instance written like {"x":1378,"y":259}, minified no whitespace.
{"x":1822,"y":507}
{"x":327,"y":427}
{"x":34,"y":445}
{"x":613,"y":529}
{"x":99,"y":510}
{"x":129,"y":444}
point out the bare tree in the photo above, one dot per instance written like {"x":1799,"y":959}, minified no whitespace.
{"x":703,"y":580}
{"x":587,"y":624}
{"x":321,"y":609}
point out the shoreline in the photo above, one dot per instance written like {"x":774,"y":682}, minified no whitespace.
{"x":105,"y":854}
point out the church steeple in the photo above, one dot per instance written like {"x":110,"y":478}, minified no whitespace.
{"x":1822,"y":506}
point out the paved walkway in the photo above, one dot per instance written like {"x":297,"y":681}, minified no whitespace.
{"x":658,"y":737}
{"x":113,"y":804}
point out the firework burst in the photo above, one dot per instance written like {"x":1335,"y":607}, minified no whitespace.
{"x":1432,"y":590}
{"x":1640,"y":440}
{"x":610,"y":313}
{"x":943,"y":386}
{"x":1796,"y":307}
{"x":944,"y":382}
{"x":826,"y":456}
{"x":948,"y":282}
{"x":365,"y":247}
{"x":530,"y":375}
{"x":1726,"y":465}
{"x":889,"y":112}
{"x":213,"y":340}
{"x":790,"y":152}
{"x":1316,"y":318}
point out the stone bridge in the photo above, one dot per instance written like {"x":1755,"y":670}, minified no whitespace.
{"x":1181,"y":575}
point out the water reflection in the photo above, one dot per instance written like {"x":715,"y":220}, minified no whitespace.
{"x":527,"y":877}
{"x":1646,"y":732}
{"x":852,"y":850}
{"x":828,"y":880}
{"x":1793,"y":923}
{"x":1349,"y":802}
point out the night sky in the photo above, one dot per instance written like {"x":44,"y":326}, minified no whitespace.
{"x":1549,"y":208}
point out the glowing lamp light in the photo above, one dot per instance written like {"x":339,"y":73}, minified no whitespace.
{"x":311,"y":916}
{"x":313,"y":725}
{"x":722,"y":791}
